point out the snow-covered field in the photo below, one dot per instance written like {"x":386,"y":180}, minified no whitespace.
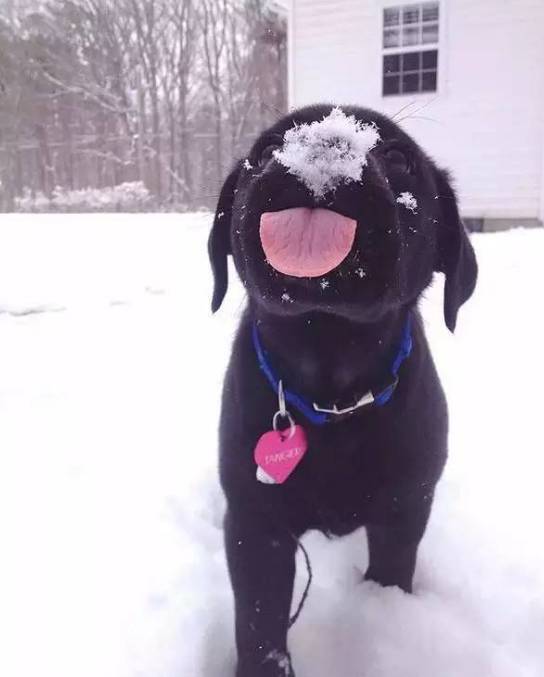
{"x":111,"y":558}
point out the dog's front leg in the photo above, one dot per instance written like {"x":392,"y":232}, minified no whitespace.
{"x":261,"y":560}
{"x":392,"y":547}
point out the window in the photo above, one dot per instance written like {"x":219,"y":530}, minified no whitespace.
{"x":410,"y":72}
{"x":407,"y":68}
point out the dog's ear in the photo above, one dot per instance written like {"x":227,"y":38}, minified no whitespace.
{"x":455,"y":255}
{"x":219,"y":241}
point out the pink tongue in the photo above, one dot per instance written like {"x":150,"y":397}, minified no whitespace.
{"x":306,"y":242}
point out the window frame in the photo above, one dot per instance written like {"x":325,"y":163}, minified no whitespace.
{"x":438,"y":46}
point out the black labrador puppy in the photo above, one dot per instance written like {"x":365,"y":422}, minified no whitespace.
{"x":333,"y":415}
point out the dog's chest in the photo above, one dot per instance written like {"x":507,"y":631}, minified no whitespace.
{"x":344,"y":479}
{"x":337,"y":378}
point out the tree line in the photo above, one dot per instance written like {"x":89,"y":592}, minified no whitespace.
{"x":97,"y":93}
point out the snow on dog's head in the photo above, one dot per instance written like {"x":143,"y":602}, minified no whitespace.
{"x":326,"y":153}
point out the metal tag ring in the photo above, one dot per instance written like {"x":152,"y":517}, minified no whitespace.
{"x":286,"y":415}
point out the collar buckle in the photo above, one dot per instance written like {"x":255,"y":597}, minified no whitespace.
{"x":367,"y":398}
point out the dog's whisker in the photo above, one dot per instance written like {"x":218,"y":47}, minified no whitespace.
{"x":406,"y":105}
{"x":418,"y":117}
{"x":425,"y":105}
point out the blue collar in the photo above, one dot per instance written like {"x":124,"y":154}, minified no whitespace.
{"x":318,"y":415}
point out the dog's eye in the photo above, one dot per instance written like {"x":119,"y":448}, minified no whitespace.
{"x":397,"y":161}
{"x":267,"y":154}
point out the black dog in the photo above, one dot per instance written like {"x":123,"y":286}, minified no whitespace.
{"x":352,"y":342}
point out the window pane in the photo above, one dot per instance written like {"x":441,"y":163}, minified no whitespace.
{"x":410,"y":14}
{"x":411,"y":61}
{"x":391,"y":16}
{"x":410,"y":35}
{"x":391,"y":37}
{"x":430,"y":59}
{"x":391,"y":63}
{"x":429,"y":11}
{"x":428,"y":81}
{"x":430,"y":33}
{"x":410,"y":82}
{"x":391,"y":84}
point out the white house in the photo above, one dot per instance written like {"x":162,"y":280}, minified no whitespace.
{"x":466,"y":77}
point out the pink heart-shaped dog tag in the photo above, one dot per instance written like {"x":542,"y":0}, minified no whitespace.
{"x":279,"y":452}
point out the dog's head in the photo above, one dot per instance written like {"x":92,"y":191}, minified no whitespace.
{"x":339,"y":210}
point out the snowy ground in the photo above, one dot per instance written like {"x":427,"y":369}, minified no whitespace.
{"x":110,"y":512}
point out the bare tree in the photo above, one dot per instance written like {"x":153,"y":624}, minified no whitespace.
{"x":95,"y":93}
{"x":177,"y":82}
{"x":213,"y":18}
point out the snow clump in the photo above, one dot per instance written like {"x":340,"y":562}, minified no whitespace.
{"x":328,"y":152}
{"x":408,"y":200}
{"x":281,"y":660}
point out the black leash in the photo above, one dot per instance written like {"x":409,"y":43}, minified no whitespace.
{"x":294,"y":617}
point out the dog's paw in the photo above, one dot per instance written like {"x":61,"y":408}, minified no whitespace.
{"x":389,"y":579}
{"x":276,"y":664}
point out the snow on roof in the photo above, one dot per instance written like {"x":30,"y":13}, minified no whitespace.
{"x":328,"y":152}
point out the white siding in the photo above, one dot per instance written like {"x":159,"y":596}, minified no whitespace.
{"x":487,"y":121}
